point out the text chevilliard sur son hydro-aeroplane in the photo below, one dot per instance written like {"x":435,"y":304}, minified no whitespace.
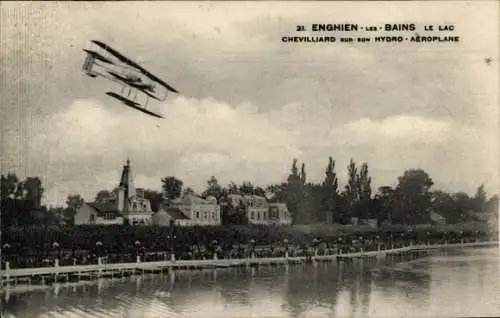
{"x":116,"y":67}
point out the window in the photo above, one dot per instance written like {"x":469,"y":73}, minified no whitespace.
{"x":205,"y":215}
{"x":258,"y":215}
{"x":252,"y":215}
{"x":213,"y":215}
{"x":197,"y":215}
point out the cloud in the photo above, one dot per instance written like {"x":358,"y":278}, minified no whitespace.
{"x":82,"y":149}
{"x":405,"y":128}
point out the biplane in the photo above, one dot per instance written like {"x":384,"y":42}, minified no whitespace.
{"x":133,"y":78}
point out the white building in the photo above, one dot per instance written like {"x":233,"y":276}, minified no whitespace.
{"x":198,"y":210}
{"x":259,"y":211}
{"x":279,"y":214}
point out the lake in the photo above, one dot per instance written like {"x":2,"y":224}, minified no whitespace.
{"x":457,"y":283}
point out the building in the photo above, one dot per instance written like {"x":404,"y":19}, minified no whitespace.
{"x":259,"y":211}
{"x":98,"y":213}
{"x":126,"y":205}
{"x":279,"y":214}
{"x":199,"y":211}
{"x":167,"y":215}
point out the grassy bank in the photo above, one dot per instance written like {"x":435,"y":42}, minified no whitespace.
{"x":40,"y":239}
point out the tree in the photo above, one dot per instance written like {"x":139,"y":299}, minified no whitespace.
{"x":74,"y":203}
{"x":385,"y":204}
{"x":232,"y":188}
{"x":479,"y":201}
{"x":9,"y":205}
{"x":303,"y":175}
{"x":295,"y":194}
{"x":329,"y":191}
{"x":276,"y":192}
{"x":103,"y":196}
{"x":364,"y":192}
{"x":351,"y":193}
{"x":312,"y":207}
{"x":188,"y":191}
{"x":413,"y":194}
{"x":172,"y":187}
{"x":234,"y":214}
{"x":246,"y":188}
{"x":259,"y":191}
{"x":213,"y":189}
{"x":155,"y":199}
{"x":33,"y":190}
{"x":8,"y":185}
{"x":492,"y":205}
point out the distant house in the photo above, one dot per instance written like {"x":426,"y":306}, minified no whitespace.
{"x":166,"y":215}
{"x":259,"y":211}
{"x":126,"y":204}
{"x":279,"y":214}
{"x":199,"y":211}
{"x":98,"y":213}
{"x":491,"y":219}
{"x":256,"y":207}
{"x":437,"y":218}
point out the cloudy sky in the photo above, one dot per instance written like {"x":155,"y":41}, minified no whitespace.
{"x":248,"y":103}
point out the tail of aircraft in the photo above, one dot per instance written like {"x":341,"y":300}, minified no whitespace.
{"x":87,"y":65}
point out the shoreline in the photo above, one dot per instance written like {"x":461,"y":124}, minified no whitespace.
{"x":29,"y":277}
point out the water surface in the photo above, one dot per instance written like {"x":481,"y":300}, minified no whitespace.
{"x":459,"y":283}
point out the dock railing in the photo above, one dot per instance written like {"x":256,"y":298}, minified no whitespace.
{"x":100,"y":267}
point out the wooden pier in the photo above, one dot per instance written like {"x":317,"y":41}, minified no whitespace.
{"x":89,"y":272}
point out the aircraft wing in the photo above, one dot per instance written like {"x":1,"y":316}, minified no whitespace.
{"x":98,"y":56}
{"x":132,"y":104}
{"x":128,"y":61}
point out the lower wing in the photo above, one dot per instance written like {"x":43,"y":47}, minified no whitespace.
{"x":132,"y":104}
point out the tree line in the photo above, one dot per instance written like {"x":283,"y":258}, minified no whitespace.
{"x":411,"y":201}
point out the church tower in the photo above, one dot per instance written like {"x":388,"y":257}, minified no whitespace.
{"x":126,"y":189}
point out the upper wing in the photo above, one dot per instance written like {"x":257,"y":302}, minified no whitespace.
{"x":128,"y":61}
{"x":98,"y":56}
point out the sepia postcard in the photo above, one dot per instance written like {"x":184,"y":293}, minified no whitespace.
{"x":249,"y":159}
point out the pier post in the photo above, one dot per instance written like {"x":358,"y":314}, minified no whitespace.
{"x":99,"y":265}
{"x":7,"y":271}
{"x":215,"y":256}
{"x":172,"y":257}
{"x":56,"y":265}
{"x":138,"y":260}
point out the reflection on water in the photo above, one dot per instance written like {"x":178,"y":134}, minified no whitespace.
{"x":464,"y":283}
